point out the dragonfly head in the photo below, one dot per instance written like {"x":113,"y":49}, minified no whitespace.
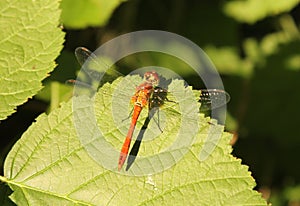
{"x":151,"y":78}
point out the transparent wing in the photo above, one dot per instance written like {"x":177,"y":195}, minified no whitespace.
{"x":209,"y":98}
{"x":213,"y":98}
{"x":95,"y":70}
{"x":83,"y":54}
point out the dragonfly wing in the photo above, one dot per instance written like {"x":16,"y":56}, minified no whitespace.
{"x":209,"y":98}
{"x":82,"y":54}
{"x":93,"y":68}
{"x":213,"y":98}
{"x":95,"y":71}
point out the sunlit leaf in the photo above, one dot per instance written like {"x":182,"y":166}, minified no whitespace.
{"x":251,"y":11}
{"x":30,"y":41}
{"x":50,"y":164}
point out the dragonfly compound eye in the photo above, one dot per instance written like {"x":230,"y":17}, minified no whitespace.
{"x":152,"y":78}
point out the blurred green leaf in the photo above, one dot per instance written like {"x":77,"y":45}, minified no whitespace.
{"x":257,"y":53}
{"x":80,"y":14}
{"x":293,"y":194}
{"x":290,"y":195}
{"x":251,"y":11}
{"x":231,"y":123}
{"x":271,"y":94}
{"x":228,"y":61}
{"x":30,"y":42}
{"x":49,"y":164}
{"x":293,"y":62}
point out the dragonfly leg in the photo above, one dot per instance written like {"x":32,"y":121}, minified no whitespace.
{"x":129,"y":116}
{"x":170,"y":100}
{"x":151,"y":115}
{"x":211,"y":123}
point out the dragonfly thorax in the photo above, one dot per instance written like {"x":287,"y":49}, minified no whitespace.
{"x":142,"y":95}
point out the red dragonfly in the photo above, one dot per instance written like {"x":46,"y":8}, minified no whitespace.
{"x":147,"y":94}
{"x":140,"y":100}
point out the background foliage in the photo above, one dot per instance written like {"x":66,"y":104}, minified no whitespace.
{"x":254,"y":44}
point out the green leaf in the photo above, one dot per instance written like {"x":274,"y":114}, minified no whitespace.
{"x":293,"y":193}
{"x":30,"y":41}
{"x":52,"y":163}
{"x":84,"y":13}
{"x":228,"y":61}
{"x":251,"y":11}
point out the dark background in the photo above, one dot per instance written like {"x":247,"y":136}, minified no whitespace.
{"x":260,"y":66}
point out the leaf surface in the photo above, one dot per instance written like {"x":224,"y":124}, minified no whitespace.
{"x":51,"y":163}
{"x":30,"y":42}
